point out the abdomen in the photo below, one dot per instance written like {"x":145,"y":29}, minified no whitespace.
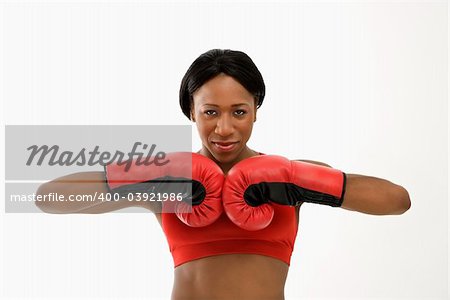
{"x":231,"y":276}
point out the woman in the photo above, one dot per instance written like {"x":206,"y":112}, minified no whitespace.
{"x":221,"y":93}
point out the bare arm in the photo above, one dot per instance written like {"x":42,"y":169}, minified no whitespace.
{"x":83,"y":184}
{"x":371,"y":195}
{"x":375,"y":196}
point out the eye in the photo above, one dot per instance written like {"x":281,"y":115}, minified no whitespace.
{"x":240,"y":112}
{"x":209,"y":112}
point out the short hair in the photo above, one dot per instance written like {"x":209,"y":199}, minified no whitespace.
{"x":233,"y":63}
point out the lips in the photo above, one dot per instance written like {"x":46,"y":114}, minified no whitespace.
{"x":224,"y":146}
{"x":224,"y":143}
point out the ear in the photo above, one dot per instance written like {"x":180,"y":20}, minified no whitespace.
{"x":192,"y":115}
{"x":256,"y":110}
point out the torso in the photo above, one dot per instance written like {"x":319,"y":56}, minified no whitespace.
{"x":231,"y":276}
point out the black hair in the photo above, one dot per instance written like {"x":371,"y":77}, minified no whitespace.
{"x":233,"y":63}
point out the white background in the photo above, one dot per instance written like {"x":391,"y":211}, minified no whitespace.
{"x":360,"y":85}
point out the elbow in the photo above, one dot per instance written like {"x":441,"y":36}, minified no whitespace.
{"x":403,"y":200}
{"x":42,"y":204}
{"x":41,"y":191}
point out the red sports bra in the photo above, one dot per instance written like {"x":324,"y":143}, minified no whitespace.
{"x":224,"y":237}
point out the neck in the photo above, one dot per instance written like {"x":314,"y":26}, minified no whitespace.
{"x":226,"y":166}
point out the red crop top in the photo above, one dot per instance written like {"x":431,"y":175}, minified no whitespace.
{"x":224,"y":237}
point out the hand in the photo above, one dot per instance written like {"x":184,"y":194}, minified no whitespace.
{"x":206,"y":179}
{"x":254,"y":184}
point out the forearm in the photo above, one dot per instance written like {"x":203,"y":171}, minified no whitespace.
{"x":88,"y":185}
{"x":375,"y":196}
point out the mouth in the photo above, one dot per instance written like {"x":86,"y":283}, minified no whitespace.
{"x":225,"y":146}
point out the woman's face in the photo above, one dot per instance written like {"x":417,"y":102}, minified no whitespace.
{"x":224,"y":112}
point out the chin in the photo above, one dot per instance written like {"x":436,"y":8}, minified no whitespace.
{"x":226,"y":157}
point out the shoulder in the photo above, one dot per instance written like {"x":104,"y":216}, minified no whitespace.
{"x":313,"y":162}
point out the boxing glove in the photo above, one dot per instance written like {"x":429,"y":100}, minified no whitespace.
{"x":199,"y":206}
{"x":255,"y":183}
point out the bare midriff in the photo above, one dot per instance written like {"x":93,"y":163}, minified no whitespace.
{"x":231,"y":276}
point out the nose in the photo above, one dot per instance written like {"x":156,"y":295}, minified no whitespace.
{"x":224,"y":126}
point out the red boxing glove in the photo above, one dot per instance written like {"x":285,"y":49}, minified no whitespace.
{"x":254,"y":183}
{"x":205,"y":176}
